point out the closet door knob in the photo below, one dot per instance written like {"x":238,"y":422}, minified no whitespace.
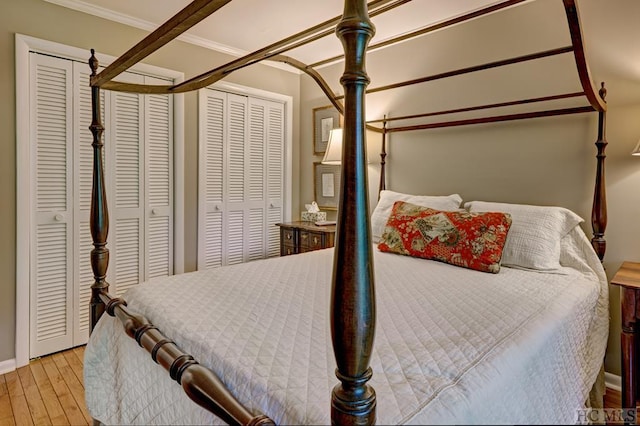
{"x":59,"y":217}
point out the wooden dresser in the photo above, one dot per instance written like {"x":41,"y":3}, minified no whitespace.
{"x":300,"y":237}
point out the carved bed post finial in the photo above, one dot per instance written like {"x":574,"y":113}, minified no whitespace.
{"x":99,"y":215}
{"x":599,"y":209}
{"x":353,"y":312}
{"x":383,"y":158}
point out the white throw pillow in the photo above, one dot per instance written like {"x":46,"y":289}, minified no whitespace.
{"x":382,"y":211}
{"x":534,"y":239}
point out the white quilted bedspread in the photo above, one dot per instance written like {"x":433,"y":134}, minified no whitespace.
{"x":452,"y":345}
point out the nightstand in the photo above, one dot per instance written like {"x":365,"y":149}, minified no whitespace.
{"x":301,"y":237}
{"x":628,"y":278}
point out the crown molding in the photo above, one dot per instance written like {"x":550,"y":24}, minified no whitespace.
{"x":131,"y":21}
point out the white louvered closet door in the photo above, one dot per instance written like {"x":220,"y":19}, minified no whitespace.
{"x":211,"y":135}
{"x":51,"y":205}
{"x":236,"y":167}
{"x":159,"y":183}
{"x":255,"y":182}
{"x":138,"y":159}
{"x":241,"y":178}
{"x":125,"y":139}
{"x":274,"y":176}
{"x":140,"y":139}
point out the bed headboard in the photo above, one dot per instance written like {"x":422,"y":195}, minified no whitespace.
{"x":595,"y":99}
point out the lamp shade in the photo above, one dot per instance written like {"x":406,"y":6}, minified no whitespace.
{"x":636,"y":150}
{"x":333,"y":154}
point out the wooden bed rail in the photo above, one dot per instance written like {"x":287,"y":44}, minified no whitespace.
{"x":200,"y":383}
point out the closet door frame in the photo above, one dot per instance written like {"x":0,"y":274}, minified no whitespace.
{"x":23,"y":46}
{"x":287,"y":160}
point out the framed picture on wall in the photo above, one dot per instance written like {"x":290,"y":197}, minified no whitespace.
{"x":326,"y":178}
{"x":325,"y":119}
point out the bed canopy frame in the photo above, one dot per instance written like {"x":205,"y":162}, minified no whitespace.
{"x":353,"y":312}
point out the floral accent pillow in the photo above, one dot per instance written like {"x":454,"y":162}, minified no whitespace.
{"x":460,"y":238}
{"x":382,"y":211}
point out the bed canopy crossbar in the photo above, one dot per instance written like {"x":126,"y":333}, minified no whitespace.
{"x":353,"y":311}
{"x":275,"y":52}
{"x":593,"y":96}
{"x":428,"y":29}
{"x":475,"y":68}
{"x":159,"y":38}
{"x":475,"y":108}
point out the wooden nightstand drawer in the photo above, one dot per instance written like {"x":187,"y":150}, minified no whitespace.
{"x":288,"y":241}
{"x":311,"y":241}
{"x":287,"y":250}
{"x":288,"y":236}
{"x":301,"y":237}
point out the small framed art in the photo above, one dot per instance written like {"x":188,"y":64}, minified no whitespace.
{"x":325,"y":119}
{"x":326,"y":178}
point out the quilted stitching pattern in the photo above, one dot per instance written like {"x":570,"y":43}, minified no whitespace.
{"x":461,"y":346}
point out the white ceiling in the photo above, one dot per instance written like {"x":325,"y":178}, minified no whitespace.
{"x":610,"y":28}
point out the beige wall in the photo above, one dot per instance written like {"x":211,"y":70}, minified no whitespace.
{"x":43,"y":20}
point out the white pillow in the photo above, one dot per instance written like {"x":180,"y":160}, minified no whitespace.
{"x":533,"y":242}
{"x":382,"y":211}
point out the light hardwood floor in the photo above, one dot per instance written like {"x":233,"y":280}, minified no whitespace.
{"x":612,"y":399}
{"x":50,"y":391}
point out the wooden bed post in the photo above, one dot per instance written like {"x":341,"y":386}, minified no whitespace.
{"x":383,"y":158}
{"x":599,"y":209}
{"x":597,"y":101}
{"x":353,"y":312}
{"x":99,"y":216}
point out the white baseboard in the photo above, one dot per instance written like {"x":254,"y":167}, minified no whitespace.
{"x":7,"y":366}
{"x":612,"y":381}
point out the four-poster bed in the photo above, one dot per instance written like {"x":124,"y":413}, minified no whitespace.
{"x":353,"y":298}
